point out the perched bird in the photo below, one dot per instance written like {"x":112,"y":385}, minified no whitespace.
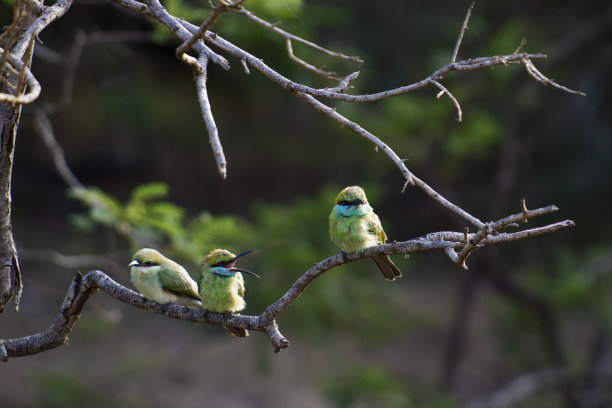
{"x":353,"y":227}
{"x":222,"y":286}
{"x":163,"y":280}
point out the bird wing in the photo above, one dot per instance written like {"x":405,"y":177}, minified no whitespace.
{"x":240,"y":281}
{"x":375,"y":227}
{"x":179,"y":284}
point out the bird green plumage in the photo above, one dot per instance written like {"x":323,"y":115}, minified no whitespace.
{"x":163,"y":280}
{"x":354,"y":227}
{"x":221,"y":284}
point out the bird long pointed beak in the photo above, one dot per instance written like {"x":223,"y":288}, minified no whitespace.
{"x":245,"y":271}
{"x":134,"y":263}
{"x":243,"y":254}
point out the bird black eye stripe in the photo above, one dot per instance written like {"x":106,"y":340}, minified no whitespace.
{"x":149,"y":264}
{"x":221,"y":263}
{"x":350,"y":203}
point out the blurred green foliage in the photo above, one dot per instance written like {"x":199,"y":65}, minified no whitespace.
{"x":290,"y":239}
{"x":374,"y":386}
{"x":517,"y":139}
{"x":61,"y":390}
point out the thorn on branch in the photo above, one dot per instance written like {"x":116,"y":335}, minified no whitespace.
{"x":483,"y":233}
{"x":245,"y":66}
{"x":513,"y":219}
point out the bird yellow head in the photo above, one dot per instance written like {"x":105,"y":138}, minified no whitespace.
{"x":218,"y":257}
{"x":222,"y":258}
{"x":147,"y":257}
{"x":353,"y":195}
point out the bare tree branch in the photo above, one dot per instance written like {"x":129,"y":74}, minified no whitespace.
{"x":291,"y":37}
{"x":82,"y":288}
{"x":538,"y":76}
{"x":223,"y":6}
{"x":209,"y":119}
{"x":14,"y":67}
{"x":443,"y":91}
{"x":71,"y":261}
{"x":45,"y":129}
{"x":463,"y":28}
{"x":325,"y":74}
{"x":457,"y":245}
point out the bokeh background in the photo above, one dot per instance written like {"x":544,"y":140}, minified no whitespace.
{"x":536,"y":311}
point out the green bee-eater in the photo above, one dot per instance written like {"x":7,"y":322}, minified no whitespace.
{"x":222,"y":286}
{"x":163,"y":280}
{"x":353,"y":227}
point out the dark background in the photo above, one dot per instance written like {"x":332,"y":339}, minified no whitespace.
{"x":440,"y":336}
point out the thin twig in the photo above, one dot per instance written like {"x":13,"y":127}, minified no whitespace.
{"x":134,"y":6}
{"x":299,"y":61}
{"x":354,"y":127}
{"x":18,"y":67}
{"x":161,"y":14}
{"x":472,"y":244}
{"x":538,"y":76}
{"x":410,"y":178}
{"x":463,"y":28}
{"x":210,"y":20}
{"x":292,"y":37}
{"x":258,"y":64}
{"x":209,"y":119}
{"x":521,"y":45}
{"x":70,"y":261}
{"x":45,"y":129}
{"x":443,"y":91}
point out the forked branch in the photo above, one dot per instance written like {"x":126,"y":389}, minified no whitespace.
{"x":82,"y":287}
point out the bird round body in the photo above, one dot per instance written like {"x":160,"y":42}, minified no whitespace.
{"x":163,"y":280}
{"x":354,"y":227}
{"x":147,"y":282}
{"x":355,"y":232}
{"x":221,"y":293}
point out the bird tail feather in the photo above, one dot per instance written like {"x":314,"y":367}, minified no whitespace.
{"x":237,"y":331}
{"x":387,"y":267}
